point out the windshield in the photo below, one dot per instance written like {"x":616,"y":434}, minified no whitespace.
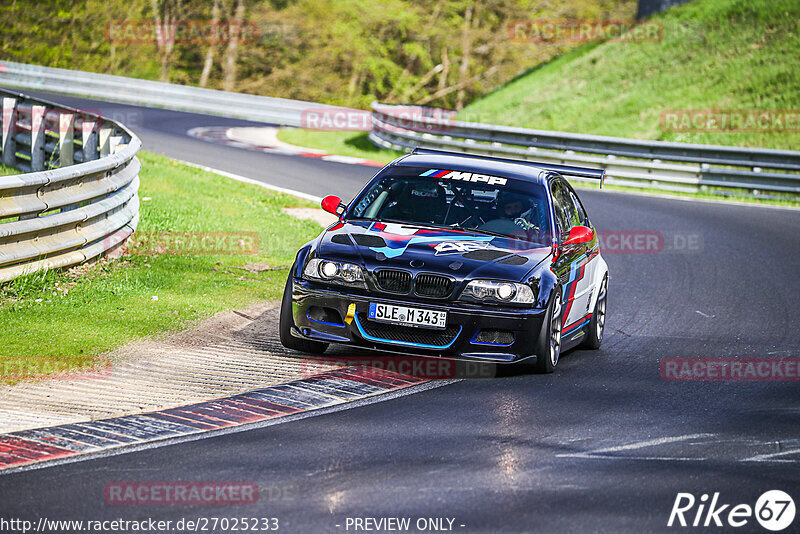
{"x":494,"y":205}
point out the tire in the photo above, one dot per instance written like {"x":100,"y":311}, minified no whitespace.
{"x":548,"y":348}
{"x":287,"y":322}
{"x":597,"y":326}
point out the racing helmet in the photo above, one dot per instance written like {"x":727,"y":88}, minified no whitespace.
{"x":512,"y":204}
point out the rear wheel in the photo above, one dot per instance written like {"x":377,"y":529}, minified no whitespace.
{"x":287,"y":322}
{"x":548,"y":348}
{"x":594,"y":337}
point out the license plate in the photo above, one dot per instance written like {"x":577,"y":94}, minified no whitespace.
{"x":403,"y":315}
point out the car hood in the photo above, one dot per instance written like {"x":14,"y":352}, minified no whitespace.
{"x":418,"y":248}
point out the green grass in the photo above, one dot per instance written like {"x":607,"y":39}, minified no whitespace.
{"x":7,"y":171}
{"x":355,"y":144}
{"x":59,"y":321}
{"x":715,"y":54}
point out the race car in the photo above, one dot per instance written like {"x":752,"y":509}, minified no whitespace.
{"x":454,"y":255}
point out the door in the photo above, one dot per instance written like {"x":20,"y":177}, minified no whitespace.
{"x":576,"y":263}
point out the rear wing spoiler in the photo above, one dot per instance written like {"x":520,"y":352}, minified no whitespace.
{"x":580,"y":172}
{"x":566,"y":170}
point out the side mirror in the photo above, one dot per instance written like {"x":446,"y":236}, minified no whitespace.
{"x":579,"y":235}
{"x":333,"y":204}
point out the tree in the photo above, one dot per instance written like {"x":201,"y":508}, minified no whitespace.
{"x":166,"y":14}
{"x":232,"y":51}
{"x":209,"y":61}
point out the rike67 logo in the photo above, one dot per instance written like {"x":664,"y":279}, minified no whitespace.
{"x":774,"y":510}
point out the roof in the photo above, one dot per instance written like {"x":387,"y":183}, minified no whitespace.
{"x":531,"y":171}
{"x":473,"y":163}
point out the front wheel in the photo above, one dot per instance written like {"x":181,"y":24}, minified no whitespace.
{"x":548,"y":348}
{"x":287,"y":322}
{"x":597,"y":325}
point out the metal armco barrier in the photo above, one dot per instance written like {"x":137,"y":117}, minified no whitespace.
{"x":158,"y":94}
{"x":629,"y":162}
{"x":77,"y":198}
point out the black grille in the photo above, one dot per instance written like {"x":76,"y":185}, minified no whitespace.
{"x":433,"y":285}
{"x":393,"y":281}
{"x":409,"y":334}
{"x":325,"y":315}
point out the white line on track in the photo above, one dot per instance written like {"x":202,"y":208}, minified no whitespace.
{"x":240,"y":178}
{"x":773,"y":457}
{"x":633,"y":446}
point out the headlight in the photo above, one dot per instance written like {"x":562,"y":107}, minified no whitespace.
{"x":506,"y":292}
{"x":334,"y":271}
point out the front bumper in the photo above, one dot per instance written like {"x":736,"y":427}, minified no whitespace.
{"x":464,"y":322}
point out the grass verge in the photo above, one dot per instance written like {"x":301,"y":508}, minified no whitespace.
{"x":57,"y":322}
{"x":7,"y":171}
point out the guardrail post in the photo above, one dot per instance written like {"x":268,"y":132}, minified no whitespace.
{"x":66,"y":137}
{"x":37,"y":147}
{"x":9,"y":130}
{"x":105,"y":141}
{"x":115,"y":143}
{"x":66,"y":145}
{"x":37,"y":137}
{"x":89,"y":137}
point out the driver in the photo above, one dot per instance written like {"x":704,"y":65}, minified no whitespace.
{"x":520,"y":209}
{"x":512,"y":205}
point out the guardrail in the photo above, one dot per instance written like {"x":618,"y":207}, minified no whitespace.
{"x":158,"y":94}
{"x":629,"y":162}
{"x":77,"y":198}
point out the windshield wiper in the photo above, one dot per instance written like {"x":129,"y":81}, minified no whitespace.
{"x":397,"y":221}
{"x":467,"y":229}
{"x":382,"y":220}
{"x":479,"y":231}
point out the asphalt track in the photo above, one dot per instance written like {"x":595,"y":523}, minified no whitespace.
{"x":603,"y":445}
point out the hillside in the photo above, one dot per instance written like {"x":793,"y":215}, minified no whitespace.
{"x":734,"y":55}
{"x":715,"y":54}
{"x":347,"y":52}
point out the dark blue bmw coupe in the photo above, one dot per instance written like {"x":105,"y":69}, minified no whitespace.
{"x":454,"y":255}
